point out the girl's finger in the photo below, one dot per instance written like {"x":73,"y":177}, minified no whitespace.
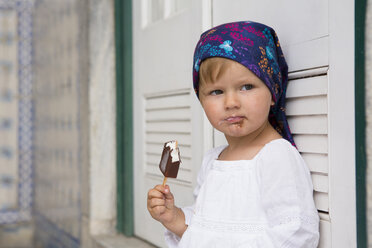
{"x":168,"y":195}
{"x":160,"y":188}
{"x":154,"y":193}
{"x":158,"y":210}
{"x":156,"y":202}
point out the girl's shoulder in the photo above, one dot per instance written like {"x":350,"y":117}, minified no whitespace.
{"x":281,"y":155}
{"x":213,"y":153}
{"x":275,"y":147}
{"x":279,"y":147}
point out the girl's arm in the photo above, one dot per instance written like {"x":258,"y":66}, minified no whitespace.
{"x":287,"y":198}
{"x":160,"y":204}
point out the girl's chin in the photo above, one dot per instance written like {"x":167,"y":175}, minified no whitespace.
{"x":233,"y":131}
{"x":235,"y":135}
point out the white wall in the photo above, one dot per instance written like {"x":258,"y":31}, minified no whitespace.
{"x":102,"y":193}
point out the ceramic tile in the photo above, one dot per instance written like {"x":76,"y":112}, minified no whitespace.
{"x":16,"y":111}
{"x":17,"y":235}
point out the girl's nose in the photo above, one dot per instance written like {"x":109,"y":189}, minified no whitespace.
{"x":231,"y":101}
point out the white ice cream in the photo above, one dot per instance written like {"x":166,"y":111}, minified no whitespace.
{"x":174,"y":150}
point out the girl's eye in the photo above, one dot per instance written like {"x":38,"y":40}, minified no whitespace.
{"x":247,"y":87}
{"x":216,"y":92}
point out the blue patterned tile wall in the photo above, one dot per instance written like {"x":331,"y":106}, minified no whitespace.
{"x":57,"y":123}
{"x":15,"y":111}
{"x":40,"y":118}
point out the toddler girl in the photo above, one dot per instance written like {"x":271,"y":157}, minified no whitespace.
{"x":257,"y":190}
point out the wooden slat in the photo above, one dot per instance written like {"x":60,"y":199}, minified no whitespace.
{"x":325,"y":234}
{"x":171,"y":127}
{"x":152,"y":159}
{"x":316,"y":162}
{"x":185,"y":151}
{"x":320,"y":182}
{"x":174,"y":101}
{"x":168,"y":114}
{"x":321,"y":201}
{"x":308,"y":124}
{"x":311,"y":86}
{"x":315,"y":105}
{"x":324,"y":216}
{"x":311,"y":143}
{"x":308,"y":73}
{"x":184,"y":139}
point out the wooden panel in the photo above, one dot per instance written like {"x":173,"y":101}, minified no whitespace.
{"x":316,"y":162}
{"x":308,"y":124}
{"x":307,"y":47}
{"x":311,"y":86}
{"x":318,"y":71}
{"x":325,"y":234}
{"x":311,"y":143}
{"x":324,"y":216}
{"x":183,"y":139}
{"x":316,"y":105}
{"x":320,"y":182}
{"x":168,"y":117}
{"x":172,"y":127}
{"x":165,"y":101}
{"x":307,"y":117}
{"x":311,"y":18}
{"x":308,"y":54}
{"x":321,"y":201}
{"x":168,"y":114}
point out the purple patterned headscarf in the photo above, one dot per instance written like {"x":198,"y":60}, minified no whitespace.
{"x":256,"y":46}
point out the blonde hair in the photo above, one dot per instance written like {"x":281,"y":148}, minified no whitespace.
{"x":212,"y":69}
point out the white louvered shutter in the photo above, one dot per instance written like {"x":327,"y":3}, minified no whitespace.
{"x":164,"y":34}
{"x":168,"y":117}
{"x":307,"y":112}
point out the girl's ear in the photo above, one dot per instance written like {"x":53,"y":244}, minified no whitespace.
{"x":272,"y":102}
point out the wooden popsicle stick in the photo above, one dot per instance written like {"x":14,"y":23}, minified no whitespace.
{"x":165,"y":181}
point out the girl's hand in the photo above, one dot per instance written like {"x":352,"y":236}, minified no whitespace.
{"x":160,"y":204}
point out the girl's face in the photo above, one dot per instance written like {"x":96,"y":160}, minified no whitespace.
{"x":236,"y":101}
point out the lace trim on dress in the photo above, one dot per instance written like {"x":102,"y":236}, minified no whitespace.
{"x":290,"y":218}
{"x":220,"y":226}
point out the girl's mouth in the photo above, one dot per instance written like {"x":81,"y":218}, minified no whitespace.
{"x":234,"y":119}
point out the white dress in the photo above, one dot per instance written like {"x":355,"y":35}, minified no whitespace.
{"x":266,"y":202}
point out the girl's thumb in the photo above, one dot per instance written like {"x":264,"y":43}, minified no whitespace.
{"x":167,"y":193}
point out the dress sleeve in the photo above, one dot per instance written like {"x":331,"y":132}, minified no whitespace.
{"x":171,"y":238}
{"x":286,"y":194}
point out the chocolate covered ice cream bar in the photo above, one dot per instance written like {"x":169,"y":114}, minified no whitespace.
{"x":170,"y":160}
